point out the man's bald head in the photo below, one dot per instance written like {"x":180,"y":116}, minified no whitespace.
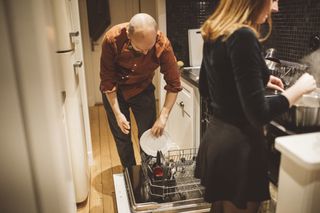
{"x":142,"y":31}
{"x":140,"y":23}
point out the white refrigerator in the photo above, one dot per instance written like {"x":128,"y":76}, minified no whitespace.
{"x":45,"y":134}
{"x":75,"y":107}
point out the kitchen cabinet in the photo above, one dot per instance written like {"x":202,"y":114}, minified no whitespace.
{"x":299,"y":178}
{"x":184,"y":120}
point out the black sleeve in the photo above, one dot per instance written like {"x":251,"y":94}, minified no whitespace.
{"x":203,"y":82}
{"x":244,"y":51}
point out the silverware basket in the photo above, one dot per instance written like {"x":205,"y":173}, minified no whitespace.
{"x":178,"y":181}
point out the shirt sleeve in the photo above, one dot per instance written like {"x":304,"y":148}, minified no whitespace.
{"x":107,"y":67}
{"x":169,"y":68}
{"x":203,"y":82}
{"x":244,"y":51}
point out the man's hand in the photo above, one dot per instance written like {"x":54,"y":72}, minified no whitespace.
{"x":123,"y":123}
{"x":275,"y":83}
{"x":158,"y":126}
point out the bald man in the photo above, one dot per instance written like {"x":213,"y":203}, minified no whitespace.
{"x":131,"y":52}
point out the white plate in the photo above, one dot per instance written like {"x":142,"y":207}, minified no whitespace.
{"x":151,"y":144}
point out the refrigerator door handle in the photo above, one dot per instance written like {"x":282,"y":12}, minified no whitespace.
{"x":71,"y":35}
{"x":76,"y":65}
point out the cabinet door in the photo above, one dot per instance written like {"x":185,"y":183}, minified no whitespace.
{"x":181,"y":128}
{"x":181,"y":120}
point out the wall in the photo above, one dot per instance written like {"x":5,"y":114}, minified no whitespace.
{"x":181,"y":16}
{"x":292,"y":26}
{"x":120,"y":11}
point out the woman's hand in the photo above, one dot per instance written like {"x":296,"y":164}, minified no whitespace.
{"x":305,"y":84}
{"x":275,"y":83}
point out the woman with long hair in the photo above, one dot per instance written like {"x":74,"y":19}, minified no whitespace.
{"x":231,"y":161}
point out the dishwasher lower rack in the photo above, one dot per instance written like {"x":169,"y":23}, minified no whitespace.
{"x":138,"y":191}
{"x":178,"y":182}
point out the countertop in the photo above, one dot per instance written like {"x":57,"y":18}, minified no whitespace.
{"x":304,"y":149}
{"x":191,"y":74}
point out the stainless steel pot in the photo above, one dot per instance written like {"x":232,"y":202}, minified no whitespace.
{"x":306,"y":112}
{"x":303,"y":114}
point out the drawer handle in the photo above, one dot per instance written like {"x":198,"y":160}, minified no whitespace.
{"x":181,"y":104}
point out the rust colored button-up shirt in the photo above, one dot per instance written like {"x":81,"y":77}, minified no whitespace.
{"x":132,"y":72}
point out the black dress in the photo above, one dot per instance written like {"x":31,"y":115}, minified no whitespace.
{"x":231,"y":161}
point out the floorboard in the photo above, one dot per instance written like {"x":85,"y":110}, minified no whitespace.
{"x":101,"y":198}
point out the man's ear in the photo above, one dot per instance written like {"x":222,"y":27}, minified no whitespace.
{"x":127,"y":31}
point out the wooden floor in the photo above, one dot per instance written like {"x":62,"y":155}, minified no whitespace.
{"x":106,"y":163}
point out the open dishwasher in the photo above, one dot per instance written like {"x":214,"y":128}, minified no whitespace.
{"x":163,"y":184}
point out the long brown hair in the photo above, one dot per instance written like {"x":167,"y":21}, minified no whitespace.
{"x":231,"y":15}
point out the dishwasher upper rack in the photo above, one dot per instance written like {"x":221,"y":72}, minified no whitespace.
{"x":289,"y":72}
{"x":181,"y":184}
